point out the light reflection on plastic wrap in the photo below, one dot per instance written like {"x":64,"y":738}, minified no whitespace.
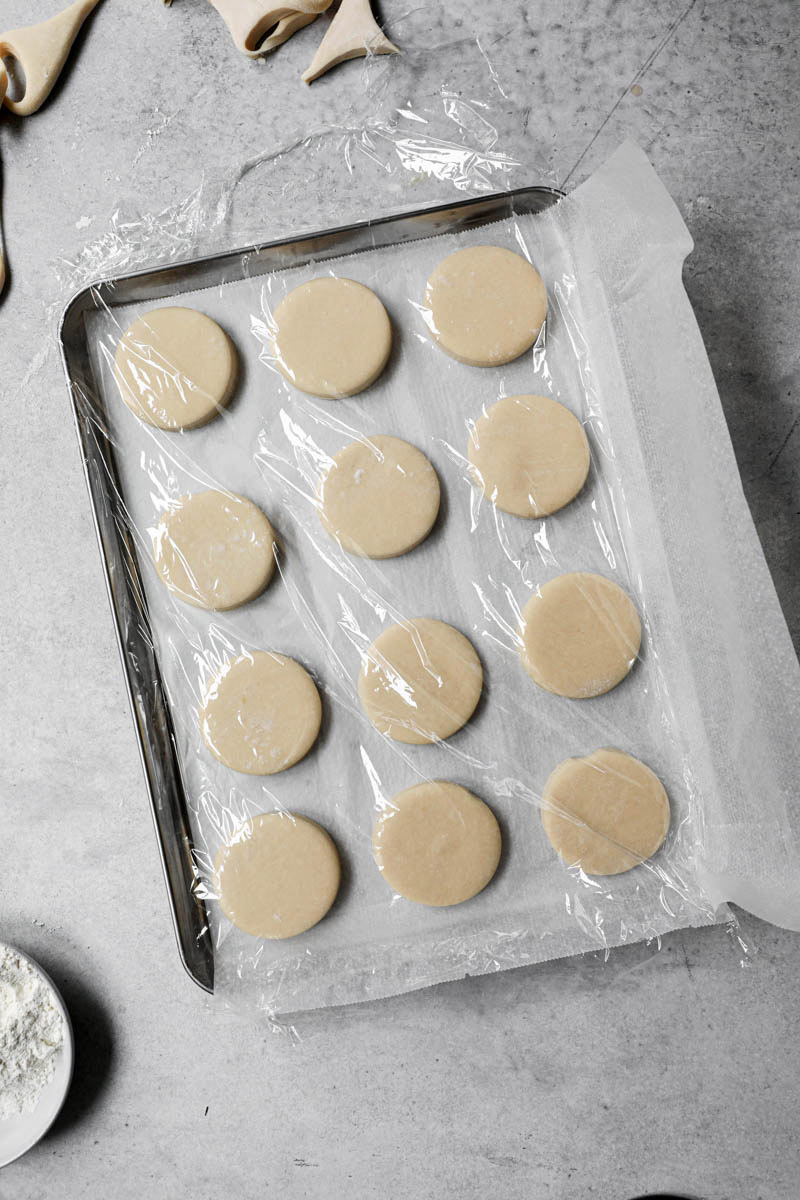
{"x":476,"y":570}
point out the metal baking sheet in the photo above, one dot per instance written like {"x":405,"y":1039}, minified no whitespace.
{"x":140,"y":664}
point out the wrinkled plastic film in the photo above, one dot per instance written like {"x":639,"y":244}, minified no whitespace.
{"x":475,"y":571}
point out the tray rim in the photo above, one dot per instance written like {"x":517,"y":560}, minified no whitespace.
{"x":190,"y":925}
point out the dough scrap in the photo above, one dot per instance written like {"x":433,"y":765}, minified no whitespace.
{"x":580,"y":635}
{"x":214,"y":550}
{"x":249,"y":20}
{"x":353,"y":33}
{"x":529,"y":455}
{"x":437,"y":844}
{"x":605,"y":813}
{"x":278,"y":875}
{"x":286,"y":28}
{"x":420,"y":681}
{"x":41,"y":50}
{"x":332,"y":337}
{"x":379,"y":498}
{"x":175,"y":368}
{"x":485,"y":305}
{"x":261,"y":714}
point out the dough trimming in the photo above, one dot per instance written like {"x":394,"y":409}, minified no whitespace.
{"x":437,"y":844}
{"x":278,"y":875}
{"x":353,"y":33}
{"x":41,"y":50}
{"x":379,"y":498}
{"x":605,"y":813}
{"x":250,"y":21}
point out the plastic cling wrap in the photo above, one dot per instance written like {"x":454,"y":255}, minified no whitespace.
{"x":706,"y":706}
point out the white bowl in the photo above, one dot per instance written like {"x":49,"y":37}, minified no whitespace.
{"x":21,"y":1132}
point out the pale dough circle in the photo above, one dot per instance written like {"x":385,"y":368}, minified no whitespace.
{"x":379,"y":498}
{"x":420,"y":681}
{"x":278,"y":875}
{"x":331,"y":337}
{"x":261,"y":714}
{"x":214,"y":549}
{"x":529,"y":455}
{"x":485,"y":305}
{"x":437,"y":844}
{"x":175,"y":368}
{"x":605,"y":813}
{"x":580,"y":635}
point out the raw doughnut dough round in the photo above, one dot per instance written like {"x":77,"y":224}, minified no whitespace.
{"x":379,"y":498}
{"x":580,"y":635}
{"x":437,"y":844}
{"x":215,"y":550}
{"x":605,"y":813}
{"x":261,"y":714}
{"x":485,"y":305}
{"x":175,"y":368}
{"x":332,"y":337}
{"x":420,"y":682}
{"x":278,"y":875}
{"x":530,"y":455}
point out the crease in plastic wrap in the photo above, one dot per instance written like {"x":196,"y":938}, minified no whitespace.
{"x":707,"y":705}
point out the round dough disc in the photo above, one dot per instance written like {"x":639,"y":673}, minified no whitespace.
{"x":215,"y":550}
{"x":437,"y":844}
{"x":379,"y":498}
{"x":332,"y":337}
{"x":485,"y":305}
{"x":580,"y":635}
{"x":420,"y":682}
{"x":175,"y":368}
{"x":530,"y":455}
{"x":278,"y":875}
{"x":262,"y":714}
{"x":605,"y":813}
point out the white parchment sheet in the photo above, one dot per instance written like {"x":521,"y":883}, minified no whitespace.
{"x":708,"y":707}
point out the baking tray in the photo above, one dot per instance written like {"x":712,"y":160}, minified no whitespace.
{"x":146,"y":694}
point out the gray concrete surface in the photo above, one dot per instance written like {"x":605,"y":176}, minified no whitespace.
{"x":672,"y":1070}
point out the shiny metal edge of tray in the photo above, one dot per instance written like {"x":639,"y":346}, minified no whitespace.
{"x":146,"y":693}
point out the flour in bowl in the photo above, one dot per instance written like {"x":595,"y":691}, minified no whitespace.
{"x":31,"y":1033}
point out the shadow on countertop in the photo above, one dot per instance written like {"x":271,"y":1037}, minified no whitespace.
{"x":760,"y":399}
{"x":94,"y":1049}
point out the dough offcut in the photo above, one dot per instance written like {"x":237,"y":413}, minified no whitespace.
{"x":529,"y":455}
{"x":605,"y":813}
{"x":41,"y":50}
{"x":379,"y":498}
{"x":215,"y":550}
{"x":278,"y":875}
{"x":331,"y":337}
{"x":420,"y":681}
{"x":437,"y":844}
{"x":249,"y":21}
{"x":353,"y":33}
{"x":580,"y":635}
{"x":175,"y":368}
{"x":485,"y":305}
{"x":261,"y":714}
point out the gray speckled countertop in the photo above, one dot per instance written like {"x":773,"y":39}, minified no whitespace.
{"x":662,"y":1070}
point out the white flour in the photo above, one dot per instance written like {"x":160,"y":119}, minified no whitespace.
{"x":31,"y":1032}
